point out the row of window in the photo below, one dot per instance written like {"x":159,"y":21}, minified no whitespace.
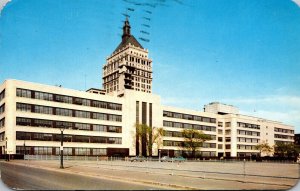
{"x":2,"y":122}
{"x":282,"y":142}
{"x":67,"y":138}
{"x":283,"y":136}
{"x":251,"y":133}
{"x":67,"y":125}
{"x":197,"y":153}
{"x":67,"y":99}
{"x":188,"y":117}
{"x":188,"y":126}
{"x":227,"y":132}
{"x":247,"y":140}
{"x":283,"y":130}
{"x":179,"y":134}
{"x":56,"y":151}
{"x":246,"y":147}
{"x":227,"y":139}
{"x":2,"y":108}
{"x":248,"y":125}
{"x":137,"y":60}
{"x":2,"y":95}
{"x":181,"y":143}
{"x":67,"y":112}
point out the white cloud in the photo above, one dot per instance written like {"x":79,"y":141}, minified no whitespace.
{"x":297,"y":2}
{"x":3,"y":3}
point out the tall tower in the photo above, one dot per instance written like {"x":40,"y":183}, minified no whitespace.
{"x":128,"y":67}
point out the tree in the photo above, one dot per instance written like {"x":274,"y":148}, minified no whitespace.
{"x":146,"y":136}
{"x":193,"y":140}
{"x":154,"y":136}
{"x":264,"y":148}
{"x":283,"y":149}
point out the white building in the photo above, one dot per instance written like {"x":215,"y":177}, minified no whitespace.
{"x":103,"y":124}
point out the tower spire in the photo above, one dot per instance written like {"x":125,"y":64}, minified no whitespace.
{"x":126,"y":30}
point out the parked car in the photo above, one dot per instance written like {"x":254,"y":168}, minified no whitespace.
{"x":175,"y":159}
{"x":165,"y":159}
{"x":179,"y":159}
{"x":137,"y":159}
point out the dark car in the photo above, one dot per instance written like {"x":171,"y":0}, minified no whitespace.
{"x":138,"y":159}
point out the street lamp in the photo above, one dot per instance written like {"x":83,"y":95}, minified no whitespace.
{"x":62,"y":128}
{"x":159,"y":151}
{"x":6,"y":154}
{"x":24,"y":148}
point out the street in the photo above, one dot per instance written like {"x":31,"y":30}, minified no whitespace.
{"x":27,"y":178}
{"x":84,"y":174}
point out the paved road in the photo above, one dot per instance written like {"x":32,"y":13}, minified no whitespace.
{"x":28,"y":178}
{"x":150,"y":175}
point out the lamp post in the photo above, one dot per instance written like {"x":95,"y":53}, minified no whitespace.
{"x":159,"y":151}
{"x":6,"y":155}
{"x":62,"y":128}
{"x":24,"y":148}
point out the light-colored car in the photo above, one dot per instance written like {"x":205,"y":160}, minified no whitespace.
{"x":137,"y":159}
{"x":165,"y":159}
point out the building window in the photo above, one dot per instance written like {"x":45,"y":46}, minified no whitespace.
{"x":23,"y":93}
{"x":66,"y":125}
{"x":2,"y":108}
{"x":227,"y":132}
{"x":82,"y":151}
{"x":248,"y":125}
{"x":2,"y":95}
{"x":100,"y":152}
{"x":23,"y":107}
{"x":83,"y":114}
{"x":63,"y":99}
{"x":43,"y":96}
{"x":227,"y":124}
{"x":99,"y":128}
{"x":42,"y":123}
{"x":167,"y":143}
{"x":63,"y":112}
{"x":43,"y":150}
{"x":2,"y":122}
{"x":227,"y":139}
{"x":23,"y":121}
{"x":43,"y":109}
{"x":82,"y":126}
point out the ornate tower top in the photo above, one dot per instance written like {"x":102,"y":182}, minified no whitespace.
{"x":127,"y":38}
{"x":126,"y":30}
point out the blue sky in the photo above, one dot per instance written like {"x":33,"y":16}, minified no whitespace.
{"x":244,"y":53}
